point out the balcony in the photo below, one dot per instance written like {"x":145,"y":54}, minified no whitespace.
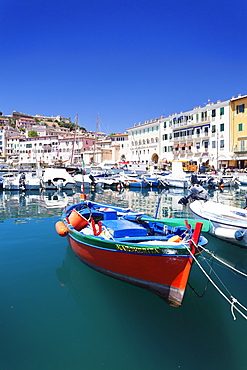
{"x":240,"y":149}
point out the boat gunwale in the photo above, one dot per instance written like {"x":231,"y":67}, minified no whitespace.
{"x":234,"y":223}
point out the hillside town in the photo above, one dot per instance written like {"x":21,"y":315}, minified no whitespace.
{"x":213,"y":135}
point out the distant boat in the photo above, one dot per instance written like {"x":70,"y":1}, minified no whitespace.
{"x":88,"y":181}
{"x":57,"y":178}
{"x":151,"y":253}
{"x":177,"y":178}
{"x":21,"y":182}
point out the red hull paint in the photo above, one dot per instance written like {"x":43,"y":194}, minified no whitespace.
{"x":165,"y":275}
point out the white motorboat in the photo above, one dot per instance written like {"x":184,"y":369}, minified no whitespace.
{"x":88,"y":181}
{"x":228,"y":223}
{"x":21,"y":182}
{"x":57,"y":178}
{"x":177,"y":178}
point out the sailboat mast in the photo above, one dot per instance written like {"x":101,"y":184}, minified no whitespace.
{"x":73,"y":147}
{"x":96,"y":136}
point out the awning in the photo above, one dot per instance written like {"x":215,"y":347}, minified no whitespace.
{"x":175,"y":146}
{"x":239,"y":158}
{"x":182,"y":145}
{"x":225,"y":158}
{"x":190,"y":144}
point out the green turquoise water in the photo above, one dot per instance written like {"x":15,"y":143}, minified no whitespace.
{"x":57,"y":313}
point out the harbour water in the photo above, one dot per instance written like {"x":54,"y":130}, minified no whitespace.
{"x":57,"y":313}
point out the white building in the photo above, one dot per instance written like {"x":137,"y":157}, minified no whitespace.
{"x":202,"y":135}
{"x":47,"y":149}
{"x":144,"y":142}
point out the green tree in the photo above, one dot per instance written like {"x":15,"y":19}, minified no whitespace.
{"x":32,"y":133}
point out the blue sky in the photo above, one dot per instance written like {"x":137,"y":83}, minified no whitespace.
{"x":127,"y":60}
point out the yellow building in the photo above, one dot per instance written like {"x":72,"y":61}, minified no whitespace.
{"x":238,"y":130}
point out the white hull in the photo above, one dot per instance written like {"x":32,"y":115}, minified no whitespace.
{"x":13,"y":183}
{"x":228,"y":223}
{"x":176,"y":183}
{"x":57,"y":179}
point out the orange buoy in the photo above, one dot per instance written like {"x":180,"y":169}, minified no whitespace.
{"x":61,"y":228}
{"x":83,"y":196}
{"x":77,"y":220}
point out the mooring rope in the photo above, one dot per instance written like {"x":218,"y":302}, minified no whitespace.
{"x":231,"y":301}
{"x":223,"y":262}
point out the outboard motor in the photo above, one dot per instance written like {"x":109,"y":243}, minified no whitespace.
{"x":211,"y":183}
{"x":194,"y":180}
{"x":196,"y":192}
{"x":22,"y":184}
{"x":93,"y":182}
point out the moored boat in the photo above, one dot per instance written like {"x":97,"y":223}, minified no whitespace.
{"x":21,"y":182}
{"x":151,"y":253}
{"x":228,"y":223}
{"x":57,"y":179}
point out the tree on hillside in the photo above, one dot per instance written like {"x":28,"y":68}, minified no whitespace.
{"x":32,"y":133}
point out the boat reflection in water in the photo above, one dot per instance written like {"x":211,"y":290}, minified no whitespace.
{"x":112,"y":310}
{"x":35,"y":204}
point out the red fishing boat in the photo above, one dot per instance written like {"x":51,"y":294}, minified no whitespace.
{"x":155,"y":254}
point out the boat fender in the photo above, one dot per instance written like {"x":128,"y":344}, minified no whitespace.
{"x":239,"y":234}
{"x":61,"y":229}
{"x":224,"y":233}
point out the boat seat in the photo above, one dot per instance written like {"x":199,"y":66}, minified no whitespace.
{"x":144,"y":238}
{"x":121,"y":228}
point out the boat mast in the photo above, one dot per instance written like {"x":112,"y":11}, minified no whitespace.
{"x":96,"y":136}
{"x":73,"y":147}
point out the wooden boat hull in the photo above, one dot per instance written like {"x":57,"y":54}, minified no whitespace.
{"x":164,"y":275}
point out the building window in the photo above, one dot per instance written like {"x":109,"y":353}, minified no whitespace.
{"x":240,"y":108}
{"x":213,"y":129}
{"x":242,"y":145}
{"x":240,"y":127}
{"x":213,"y":112}
{"x":222,"y":144}
{"x":164,"y":124}
{"x":222,"y":111}
{"x":222,"y":127}
{"x":213,"y":144}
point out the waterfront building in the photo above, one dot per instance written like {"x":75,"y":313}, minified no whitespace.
{"x":120,"y":147}
{"x":144,"y":142}
{"x":238,"y":136}
{"x":201,"y":136}
{"x":47,"y":149}
{"x":214,"y":134}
